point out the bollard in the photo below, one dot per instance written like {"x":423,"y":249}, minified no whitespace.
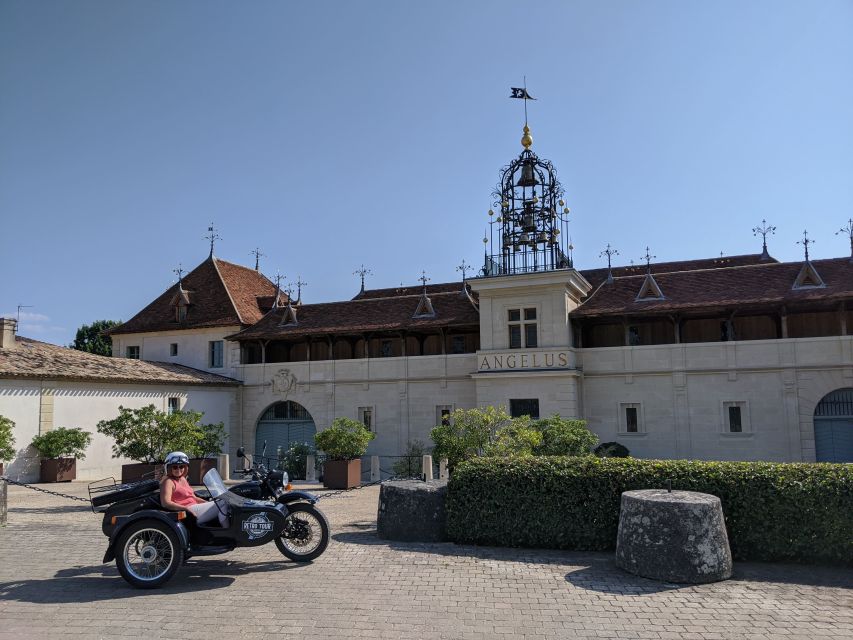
{"x":374,"y":469}
{"x":310,"y":469}
{"x":3,"y":495}
{"x":442,"y":469}
{"x":222,"y":465}
{"x":427,"y":468}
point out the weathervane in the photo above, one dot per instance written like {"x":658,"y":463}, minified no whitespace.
{"x":764,"y":229}
{"x":212,"y":236}
{"x":424,"y":279}
{"x":609,"y":253}
{"x":362,"y":271}
{"x":257,"y":253}
{"x":521,"y":93}
{"x":299,"y":285}
{"x":648,"y":258}
{"x":806,"y":242}
{"x":464,"y":268}
{"x":180,"y":273}
{"x":849,"y":231}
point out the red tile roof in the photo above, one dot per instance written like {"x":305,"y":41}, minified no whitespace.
{"x":596,"y":276}
{"x":32,"y":359}
{"x":379,"y":310}
{"x":395,"y":292}
{"x":712,"y":289}
{"x":221,"y":294}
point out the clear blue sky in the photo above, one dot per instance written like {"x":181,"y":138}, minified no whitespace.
{"x":335,"y":134}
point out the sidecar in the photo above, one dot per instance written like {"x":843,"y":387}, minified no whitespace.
{"x":150,"y":543}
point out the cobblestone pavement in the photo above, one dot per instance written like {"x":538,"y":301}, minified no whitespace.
{"x":53,"y":585}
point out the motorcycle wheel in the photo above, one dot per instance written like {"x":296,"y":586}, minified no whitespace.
{"x":306,"y":533}
{"x":148,"y":554}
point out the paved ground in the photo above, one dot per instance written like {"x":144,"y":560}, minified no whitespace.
{"x":53,"y":585}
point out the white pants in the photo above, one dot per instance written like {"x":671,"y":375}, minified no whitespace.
{"x":206,"y":512}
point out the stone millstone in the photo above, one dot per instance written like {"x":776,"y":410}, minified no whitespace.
{"x":412,"y":511}
{"x":673,"y":537}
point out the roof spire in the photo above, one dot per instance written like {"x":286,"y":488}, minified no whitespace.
{"x":424,"y":308}
{"x":213,"y":236}
{"x":464,"y":268}
{"x":521,"y":92}
{"x":257,"y":253}
{"x":362,"y":271}
{"x":764,"y":229}
{"x":180,"y":273}
{"x":648,"y":258}
{"x":806,"y":242}
{"x":299,"y":285}
{"x":849,"y":231}
{"x":278,"y":278}
{"x":609,"y":253}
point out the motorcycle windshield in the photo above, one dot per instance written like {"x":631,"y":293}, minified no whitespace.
{"x":213,"y":482}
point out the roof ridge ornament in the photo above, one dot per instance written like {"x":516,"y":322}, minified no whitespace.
{"x":257,"y":253}
{"x":213,"y":236}
{"x":849,"y":231}
{"x":424,"y":308}
{"x":609,"y":253}
{"x":362,"y":271}
{"x":764,"y":229}
{"x":650,"y":290}
{"x":808,"y":277}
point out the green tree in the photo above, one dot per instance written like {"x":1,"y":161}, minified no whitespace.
{"x":469,"y":433}
{"x":346,"y":439}
{"x":519,"y":437}
{"x":63,"y":443}
{"x":565,"y":437}
{"x":148,"y":435}
{"x":7,"y":439}
{"x":90,"y":338}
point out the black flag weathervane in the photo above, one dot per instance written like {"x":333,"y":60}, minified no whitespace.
{"x":521,"y":94}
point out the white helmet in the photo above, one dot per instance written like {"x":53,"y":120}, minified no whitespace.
{"x":177,"y":457}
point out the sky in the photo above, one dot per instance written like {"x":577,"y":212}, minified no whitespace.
{"x":335,"y":134}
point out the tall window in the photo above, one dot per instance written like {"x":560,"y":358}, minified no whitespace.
{"x":736,"y":417}
{"x":526,"y":407}
{"x":365,"y":416}
{"x":174,"y":405}
{"x":173,"y":349}
{"x":631,"y":418}
{"x":442,"y":414}
{"x":522,"y":328}
{"x":132,"y":353}
{"x":216,"y":350}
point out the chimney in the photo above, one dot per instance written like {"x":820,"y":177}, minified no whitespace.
{"x":8,"y":327}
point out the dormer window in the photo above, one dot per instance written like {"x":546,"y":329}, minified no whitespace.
{"x":181,"y":313}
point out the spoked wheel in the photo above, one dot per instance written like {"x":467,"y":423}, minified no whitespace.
{"x":148,"y":553}
{"x":306,"y":533}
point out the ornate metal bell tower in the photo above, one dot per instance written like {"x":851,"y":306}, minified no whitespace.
{"x":533,"y":231}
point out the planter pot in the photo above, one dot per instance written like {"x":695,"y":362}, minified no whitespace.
{"x":138,"y":470}
{"x":200,"y":466}
{"x":342,"y":474}
{"x":58,"y":470}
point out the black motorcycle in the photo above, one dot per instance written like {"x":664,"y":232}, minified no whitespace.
{"x":149,"y":543}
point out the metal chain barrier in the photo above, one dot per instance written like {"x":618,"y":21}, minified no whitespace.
{"x":53,"y":493}
{"x":363,"y":486}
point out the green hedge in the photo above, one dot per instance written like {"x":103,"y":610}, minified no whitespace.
{"x":773,"y":511}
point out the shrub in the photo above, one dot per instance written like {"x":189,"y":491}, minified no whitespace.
{"x":148,"y":435}
{"x":565,"y":437}
{"x":518,"y":438}
{"x":7,"y":439}
{"x":295,"y":459}
{"x":346,"y":439}
{"x":467,"y":434}
{"x":774,"y":511}
{"x":63,"y":443}
{"x":611,"y":450}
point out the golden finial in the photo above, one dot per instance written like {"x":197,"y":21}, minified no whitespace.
{"x":526,"y":139}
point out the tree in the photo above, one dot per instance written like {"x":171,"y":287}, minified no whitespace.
{"x":565,"y":437}
{"x":90,"y":338}
{"x":346,"y":439}
{"x":469,"y":433}
{"x":7,"y":439}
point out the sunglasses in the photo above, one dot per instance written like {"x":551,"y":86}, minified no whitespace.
{"x":178,"y":466}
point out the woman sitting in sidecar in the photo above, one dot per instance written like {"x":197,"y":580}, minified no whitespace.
{"x":176,"y":494}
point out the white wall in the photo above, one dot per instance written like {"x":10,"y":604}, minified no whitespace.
{"x":84,"y":404}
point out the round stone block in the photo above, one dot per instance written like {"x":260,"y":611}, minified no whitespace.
{"x":677,"y":536}
{"x":412,"y":511}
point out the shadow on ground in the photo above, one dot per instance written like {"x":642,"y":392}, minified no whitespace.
{"x":71,"y":508}
{"x":98,"y":583}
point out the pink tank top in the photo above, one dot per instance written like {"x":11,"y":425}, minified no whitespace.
{"x":182,"y":493}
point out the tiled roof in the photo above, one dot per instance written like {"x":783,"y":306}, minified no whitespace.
{"x":384,"y":312}
{"x":396,"y":292}
{"x":708,"y":289}
{"x":221,"y":294}
{"x":596,"y":276}
{"x":40,"y":360}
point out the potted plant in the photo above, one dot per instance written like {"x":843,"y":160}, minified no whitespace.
{"x":204,"y":454}
{"x":60,"y":449}
{"x":147,"y":435}
{"x":7,"y":441}
{"x":343,"y":443}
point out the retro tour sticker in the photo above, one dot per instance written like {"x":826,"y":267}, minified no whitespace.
{"x":257,"y":526}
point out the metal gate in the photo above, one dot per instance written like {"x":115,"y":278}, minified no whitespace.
{"x":833,"y":427}
{"x":283,"y":424}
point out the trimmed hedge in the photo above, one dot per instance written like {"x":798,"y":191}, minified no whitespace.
{"x":774,"y":511}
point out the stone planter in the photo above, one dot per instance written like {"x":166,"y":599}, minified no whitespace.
{"x":412,"y":511}
{"x":58,"y":470}
{"x":677,"y":536}
{"x":200,"y":466}
{"x":138,"y":470}
{"x":342,"y":474}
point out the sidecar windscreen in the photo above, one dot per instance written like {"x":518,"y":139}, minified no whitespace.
{"x":213,"y":482}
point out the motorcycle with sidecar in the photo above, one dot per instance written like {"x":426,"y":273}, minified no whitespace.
{"x":150,"y":543}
